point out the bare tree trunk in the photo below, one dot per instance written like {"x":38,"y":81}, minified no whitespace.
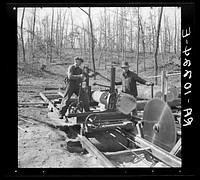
{"x":157,"y":46}
{"x":92,"y":36}
{"x":175,"y":30}
{"x":105,"y":39}
{"x":138,"y":45}
{"x":51,"y":44}
{"x":117,"y":29}
{"x":60,"y":34}
{"x":57,"y":34}
{"x":143,"y":43}
{"x":23,"y":48}
{"x":131,"y":37}
{"x":84,"y":40}
{"x":161,"y":41}
{"x":33,"y":35}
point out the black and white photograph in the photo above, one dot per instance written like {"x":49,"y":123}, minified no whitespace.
{"x":102,"y":86}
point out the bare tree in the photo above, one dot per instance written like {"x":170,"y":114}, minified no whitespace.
{"x":33,"y":35}
{"x":138,"y":42}
{"x":175,"y":30}
{"x":157,"y":46}
{"x":92,"y":35}
{"x":22,"y":36}
{"x":51,"y":35}
{"x":61,"y":32}
{"x":143,"y":38}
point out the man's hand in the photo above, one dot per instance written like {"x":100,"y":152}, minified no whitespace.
{"x":82,"y":76}
{"x":95,"y":73}
{"x":149,"y":83}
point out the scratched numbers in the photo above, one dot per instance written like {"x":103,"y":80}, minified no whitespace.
{"x":187,"y":75}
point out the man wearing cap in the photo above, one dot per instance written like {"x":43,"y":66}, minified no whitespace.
{"x":128,"y":81}
{"x":75,"y":76}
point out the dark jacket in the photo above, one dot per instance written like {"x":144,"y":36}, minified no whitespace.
{"x":128,"y":82}
{"x":73,"y":75}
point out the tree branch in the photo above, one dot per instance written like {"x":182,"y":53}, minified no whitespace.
{"x":84,"y":11}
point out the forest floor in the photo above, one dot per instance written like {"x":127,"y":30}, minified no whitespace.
{"x":42,"y":145}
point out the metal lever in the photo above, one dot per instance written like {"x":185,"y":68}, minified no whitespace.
{"x":96,"y":84}
{"x":152,"y":90}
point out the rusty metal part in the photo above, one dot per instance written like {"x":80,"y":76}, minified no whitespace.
{"x":159,"y":125}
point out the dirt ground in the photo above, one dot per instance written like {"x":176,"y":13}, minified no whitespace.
{"x":42,"y":145}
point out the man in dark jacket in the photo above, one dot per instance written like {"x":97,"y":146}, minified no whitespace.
{"x":128,"y":81}
{"x":75,"y":76}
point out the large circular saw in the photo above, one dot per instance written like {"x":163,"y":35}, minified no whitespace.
{"x":159,"y":125}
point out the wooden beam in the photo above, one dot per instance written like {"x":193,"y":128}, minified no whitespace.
{"x":32,"y":103}
{"x":50,"y":103}
{"x":176,"y":148}
{"x":127,"y":152}
{"x":60,"y":93}
{"x":158,"y":152}
{"x":94,"y":151}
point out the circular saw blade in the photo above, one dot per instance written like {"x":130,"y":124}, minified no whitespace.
{"x":159,"y":125}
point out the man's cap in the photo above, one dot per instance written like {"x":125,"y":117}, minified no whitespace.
{"x":124,"y":64}
{"x":78,"y":58}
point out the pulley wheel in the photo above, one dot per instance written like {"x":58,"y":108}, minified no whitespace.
{"x":159,"y":95}
{"x":159,"y":125}
{"x":174,"y":90}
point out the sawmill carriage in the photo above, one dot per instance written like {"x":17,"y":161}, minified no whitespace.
{"x":110,"y":126}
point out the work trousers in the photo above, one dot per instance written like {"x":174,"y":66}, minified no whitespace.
{"x":70,"y":89}
{"x":134,"y":112}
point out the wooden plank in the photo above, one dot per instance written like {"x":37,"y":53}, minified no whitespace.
{"x":177,"y":147}
{"x":53,"y":88}
{"x":94,"y":151}
{"x":20,"y":118}
{"x":158,"y":152}
{"x":32,"y":103}
{"x":56,"y":121}
{"x":50,"y":96}
{"x":60,"y":93}
{"x":127,"y":152}
{"x":50,"y":103}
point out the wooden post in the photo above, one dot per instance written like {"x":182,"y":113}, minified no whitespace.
{"x":112,"y":82}
{"x":163,"y":84}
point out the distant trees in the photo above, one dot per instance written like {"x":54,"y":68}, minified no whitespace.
{"x":120,"y":33}
{"x":22,"y":36}
{"x":157,"y":46}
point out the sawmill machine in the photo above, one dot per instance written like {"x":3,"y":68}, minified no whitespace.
{"x":110,"y":124}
